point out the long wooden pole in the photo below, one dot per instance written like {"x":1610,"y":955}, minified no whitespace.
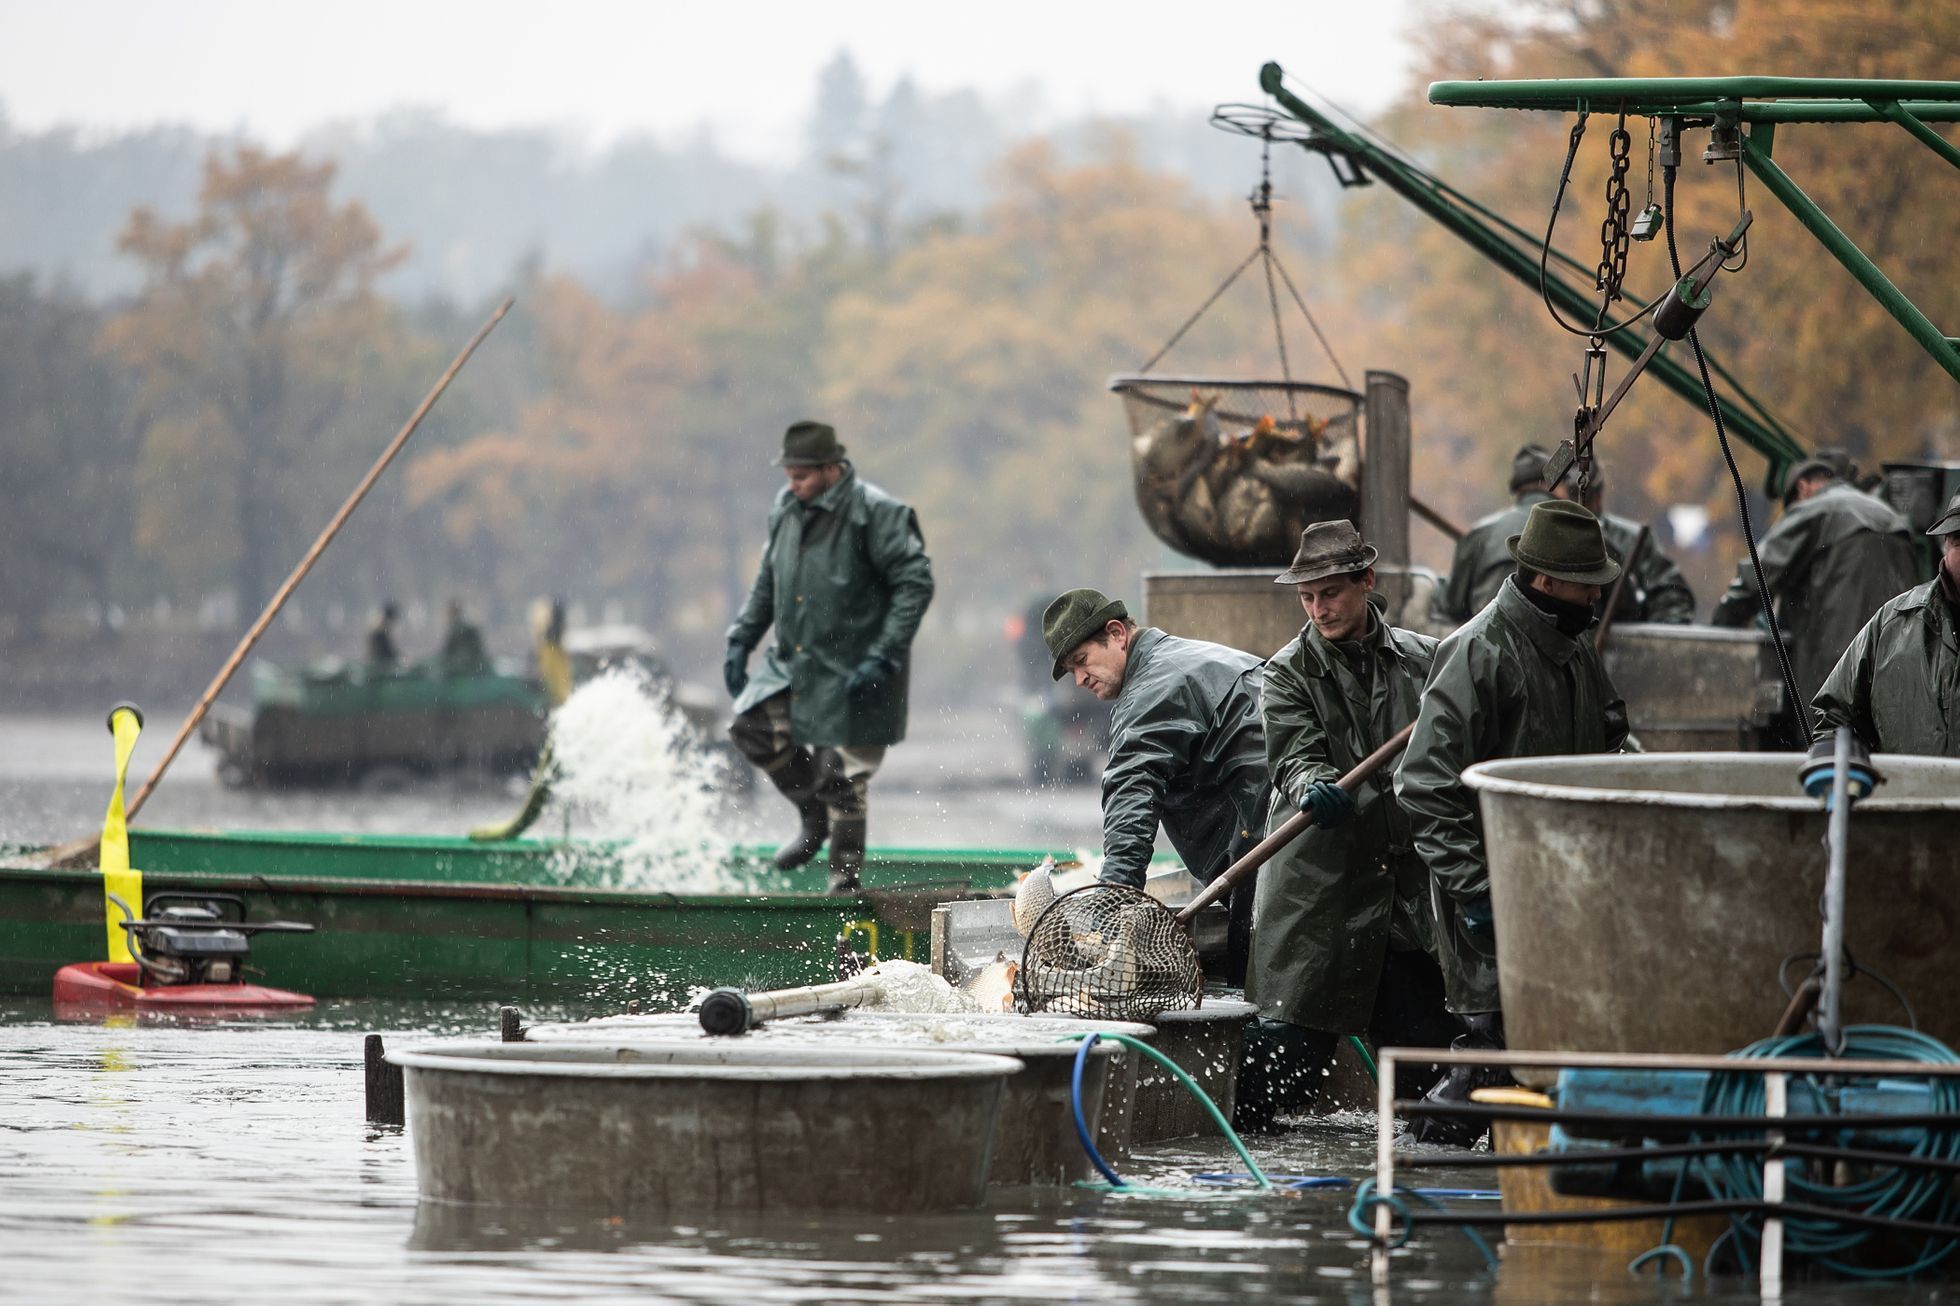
{"x":1434,"y":518}
{"x":259,"y":627}
{"x":1627,"y":565}
{"x":1295,"y":826}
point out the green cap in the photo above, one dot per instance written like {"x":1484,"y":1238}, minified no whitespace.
{"x":1807,"y":468}
{"x":1563,"y":541}
{"x":1074,"y":617}
{"x":810,"y":444}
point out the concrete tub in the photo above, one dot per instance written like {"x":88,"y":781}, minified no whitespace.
{"x":684,"y":1128}
{"x":1036,"y":1141}
{"x":1207,"y":1043}
{"x":1645,"y":902}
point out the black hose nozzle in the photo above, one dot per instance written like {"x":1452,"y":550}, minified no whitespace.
{"x":726,"y":1011}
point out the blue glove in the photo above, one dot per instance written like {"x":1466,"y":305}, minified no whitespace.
{"x":1329,"y":803}
{"x":1476,"y":917}
{"x":870,"y":673}
{"x":735,"y":669}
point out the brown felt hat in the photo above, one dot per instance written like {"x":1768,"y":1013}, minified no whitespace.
{"x":1949,"y":521}
{"x":1563,"y":541}
{"x":1074,"y":617}
{"x":810,"y":444}
{"x":1328,"y":548}
{"x":1528,"y":465}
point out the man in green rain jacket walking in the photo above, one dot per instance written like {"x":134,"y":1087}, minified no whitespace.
{"x":1341,"y":923}
{"x":1898,"y":685}
{"x":1186,"y":745}
{"x":844,"y":580}
{"x":1520,"y":679}
{"x":1829,"y":562}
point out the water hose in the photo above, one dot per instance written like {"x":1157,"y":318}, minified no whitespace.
{"x":1178,"y":1073}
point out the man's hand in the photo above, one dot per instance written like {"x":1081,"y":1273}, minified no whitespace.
{"x":1329,"y":804}
{"x":735,"y":669}
{"x":1476,"y":916}
{"x":868,"y":675}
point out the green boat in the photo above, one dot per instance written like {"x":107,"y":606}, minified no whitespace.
{"x":520,"y":920}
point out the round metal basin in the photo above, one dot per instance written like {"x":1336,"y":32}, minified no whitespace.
{"x":1036,"y":1141}
{"x":1207,"y":1043}
{"x":1644,"y":902}
{"x":684,"y":1128}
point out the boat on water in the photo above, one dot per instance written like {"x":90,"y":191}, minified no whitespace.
{"x":437,"y":917}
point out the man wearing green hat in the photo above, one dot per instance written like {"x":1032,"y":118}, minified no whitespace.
{"x":1186,"y":746}
{"x":1656,"y":591}
{"x":844,"y":580}
{"x":1898,"y":685}
{"x":1341,"y":924}
{"x":1519,"y":679}
{"x":1481,"y":562}
{"x":1833,"y":558}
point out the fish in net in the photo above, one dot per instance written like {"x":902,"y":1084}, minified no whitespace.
{"x":1109,"y":952}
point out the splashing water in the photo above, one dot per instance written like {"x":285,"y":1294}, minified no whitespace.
{"x":627,"y":759}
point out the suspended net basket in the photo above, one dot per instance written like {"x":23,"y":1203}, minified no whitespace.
{"x":1109,"y":952}
{"x":1231,"y":471}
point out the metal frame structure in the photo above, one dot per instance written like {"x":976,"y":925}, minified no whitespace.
{"x":1725,"y":105}
{"x":1358,"y":160}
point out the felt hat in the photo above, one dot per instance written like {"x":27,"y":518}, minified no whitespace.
{"x":1328,"y":548}
{"x":1949,"y":520}
{"x":810,"y":444}
{"x":1563,"y":541}
{"x":1528,"y":465}
{"x":1074,"y":617}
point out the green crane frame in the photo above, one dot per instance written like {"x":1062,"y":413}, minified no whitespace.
{"x":1516,"y":251}
{"x":1726,"y":104}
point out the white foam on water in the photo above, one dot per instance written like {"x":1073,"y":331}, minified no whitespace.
{"x":631,"y":765}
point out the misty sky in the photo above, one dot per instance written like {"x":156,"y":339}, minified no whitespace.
{"x":278,"y":67}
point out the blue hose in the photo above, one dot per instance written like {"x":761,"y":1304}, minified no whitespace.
{"x":1081,"y":1122}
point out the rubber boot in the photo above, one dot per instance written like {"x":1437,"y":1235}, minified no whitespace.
{"x":846,"y":854}
{"x":1281,"y":1070}
{"x":1483,"y":1030}
{"x":798,"y":781}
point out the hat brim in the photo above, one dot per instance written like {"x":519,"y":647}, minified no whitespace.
{"x":1946,"y":525}
{"x":1300,"y":575}
{"x":1605,"y":573}
{"x":1114,"y":610}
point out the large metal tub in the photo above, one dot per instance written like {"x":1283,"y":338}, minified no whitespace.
{"x":1695,"y":689}
{"x":687,"y":1129}
{"x":1207,"y":1043}
{"x":1645,"y":902}
{"x":1036,"y":1141}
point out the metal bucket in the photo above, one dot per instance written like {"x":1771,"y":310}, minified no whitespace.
{"x":1036,"y":1141}
{"x":1644,"y":903}
{"x":1208,"y":1043}
{"x":684,"y":1128}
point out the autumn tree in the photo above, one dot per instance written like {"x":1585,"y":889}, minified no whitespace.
{"x":256,"y":325}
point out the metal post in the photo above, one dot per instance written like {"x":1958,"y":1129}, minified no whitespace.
{"x":1384,"y":1160}
{"x":385,"y":1091}
{"x":511,"y":1024}
{"x":1846,"y":251}
{"x":1829,"y":1021}
{"x":1385,"y":468}
{"x":1775,"y":1105}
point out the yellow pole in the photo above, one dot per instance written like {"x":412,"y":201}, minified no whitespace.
{"x":125,"y":723}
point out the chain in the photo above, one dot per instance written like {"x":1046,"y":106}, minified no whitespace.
{"x":1653,"y":130}
{"x":1613,"y":233}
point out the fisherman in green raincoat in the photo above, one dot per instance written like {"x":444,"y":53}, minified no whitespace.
{"x":1898,"y":685}
{"x":1656,"y":591}
{"x":1341,"y":926}
{"x":1520,"y":679}
{"x":844,"y":580}
{"x":1187,"y":748}
{"x":1481,"y":561}
{"x":1835,"y":556}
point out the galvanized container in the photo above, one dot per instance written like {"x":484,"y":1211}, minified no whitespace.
{"x":1645,"y":902}
{"x":1208,"y":1043}
{"x":1036,"y":1142}
{"x":686,"y":1129}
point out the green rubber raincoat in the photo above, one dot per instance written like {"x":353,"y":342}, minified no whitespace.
{"x":1508,"y":683}
{"x":1332,"y":903}
{"x":1483,"y":560}
{"x":1898,"y":685}
{"x":1187,"y":748}
{"x":1656,"y":591}
{"x":843,"y":578}
{"x":1829,"y":562}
